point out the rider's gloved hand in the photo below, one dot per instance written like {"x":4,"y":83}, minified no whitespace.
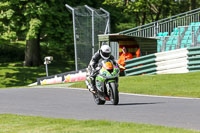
{"x":93,"y":72}
{"x":117,"y":65}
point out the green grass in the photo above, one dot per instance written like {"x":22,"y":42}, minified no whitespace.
{"x":184,"y":85}
{"x":14,"y":74}
{"x":27,"y":124}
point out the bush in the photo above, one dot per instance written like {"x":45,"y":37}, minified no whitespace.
{"x":11,"y":52}
{"x":63,"y":54}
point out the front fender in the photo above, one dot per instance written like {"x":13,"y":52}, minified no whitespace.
{"x":108,"y":84}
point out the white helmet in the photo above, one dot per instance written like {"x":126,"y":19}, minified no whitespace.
{"x":105,"y":51}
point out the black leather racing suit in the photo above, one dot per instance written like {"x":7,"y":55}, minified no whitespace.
{"x":96,"y":58}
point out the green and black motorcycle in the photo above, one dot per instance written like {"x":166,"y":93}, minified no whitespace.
{"x":106,"y":83}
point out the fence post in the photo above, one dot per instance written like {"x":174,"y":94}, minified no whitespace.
{"x":193,"y":36}
{"x":155,"y":29}
{"x":92,"y":27}
{"x":74,"y":30}
{"x":107,"y":30}
{"x":164,"y":44}
{"x":179,"y":38}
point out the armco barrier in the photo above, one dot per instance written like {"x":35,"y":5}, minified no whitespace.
{"x":63,"y":77}
{"x":169,"y":55}
{"x":174,"y":70}
{"x":140,"y":61}
{"x":175,"y":61}
{"x":172,"y":61}
{"x":194,"y":59}
{"x":149,"y":68}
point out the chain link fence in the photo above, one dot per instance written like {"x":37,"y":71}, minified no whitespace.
{"x":88,"y":23}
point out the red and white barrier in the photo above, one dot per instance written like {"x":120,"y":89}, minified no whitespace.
{"x":80,"y":76}
{"x":75,"y":77}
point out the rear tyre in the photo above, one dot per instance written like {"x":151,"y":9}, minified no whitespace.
{"x":114,"y":94}
{"x":97,"y":100}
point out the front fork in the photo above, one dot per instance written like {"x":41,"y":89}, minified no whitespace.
{"x":88,"y":82}
{"x":108,"y":86}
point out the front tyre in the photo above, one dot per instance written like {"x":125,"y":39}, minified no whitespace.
{"x":114,"y":94}
{"x":97,"y":100}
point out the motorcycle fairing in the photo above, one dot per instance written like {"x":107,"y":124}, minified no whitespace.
{"x":108,"y":65}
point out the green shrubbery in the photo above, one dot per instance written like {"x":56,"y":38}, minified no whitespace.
{"x":11,"y":52}
{"x":61,"y":53}
{"x":15,"y":52}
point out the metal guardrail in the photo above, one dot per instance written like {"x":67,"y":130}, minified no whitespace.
{"x":194,"y":59}
{"x":144,"y":64}
{"x":164,"y":25}
{"x":175,"y":61}
{"x":140,"y":61}
{"x":144,"y":69}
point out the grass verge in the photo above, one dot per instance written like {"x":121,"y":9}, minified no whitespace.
{"x":26,"y":124}
{"x":14,"y":74}
{"x":183,"y":85}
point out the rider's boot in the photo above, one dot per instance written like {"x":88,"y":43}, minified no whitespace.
{"x":93,"y":88}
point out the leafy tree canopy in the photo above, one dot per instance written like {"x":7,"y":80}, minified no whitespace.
{"x":146,"y":11}
{"x":50,"y":21}
{"x":27,"y":18}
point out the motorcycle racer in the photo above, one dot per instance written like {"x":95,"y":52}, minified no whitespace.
{"x":102,"y":54}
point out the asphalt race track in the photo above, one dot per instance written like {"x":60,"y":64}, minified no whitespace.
{"x":60,"y":102}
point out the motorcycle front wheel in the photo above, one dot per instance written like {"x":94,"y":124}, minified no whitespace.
{"x":97,"y":100}
{"x":114,"y":94}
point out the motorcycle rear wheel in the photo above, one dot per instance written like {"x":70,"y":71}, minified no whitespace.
{"x":97,"y":100}
{"x":114,"y":98}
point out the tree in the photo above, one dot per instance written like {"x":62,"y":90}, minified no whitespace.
{"x":34,"y":21}
{"x":194,"y":4}
{"x":146,"y":11}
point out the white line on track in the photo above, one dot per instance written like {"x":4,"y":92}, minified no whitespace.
{"x":143,"y":95}
{"x":132,"y":94}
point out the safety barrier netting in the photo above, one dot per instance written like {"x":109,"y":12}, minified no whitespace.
{"x":88,"y":23}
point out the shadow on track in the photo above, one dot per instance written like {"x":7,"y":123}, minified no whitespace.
{"x":126,"y":104}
